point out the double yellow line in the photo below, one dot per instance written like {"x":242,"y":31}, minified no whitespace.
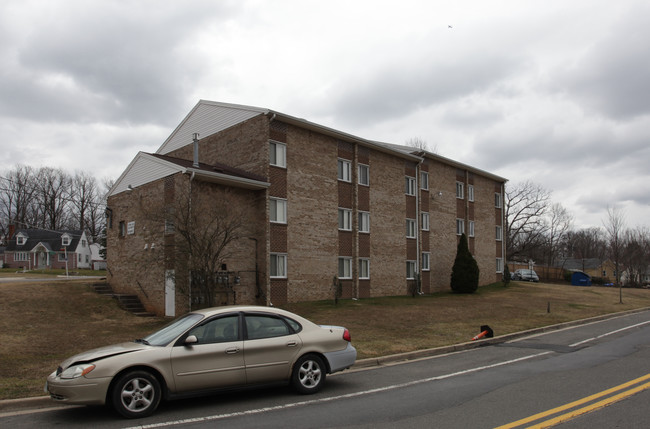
{"x":586,"y":409}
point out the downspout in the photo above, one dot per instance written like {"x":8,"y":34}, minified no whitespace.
{"x":418,"y":235}
{"x":189,"y":220}
{"x":503,"y":228}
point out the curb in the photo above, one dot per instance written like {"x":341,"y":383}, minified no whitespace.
{"x":44,"y":402}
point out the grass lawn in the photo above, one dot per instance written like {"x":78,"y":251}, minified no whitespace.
{"x":42,"y":322}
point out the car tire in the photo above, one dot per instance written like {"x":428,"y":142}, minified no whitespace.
{"x":308,"y":374}
{"x":136,"y":394}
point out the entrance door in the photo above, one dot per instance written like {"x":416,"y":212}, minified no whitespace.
{"x":170,"y":293}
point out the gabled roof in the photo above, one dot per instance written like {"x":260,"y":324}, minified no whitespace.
{"x":51,"y":240}
{"x":147,"y":167}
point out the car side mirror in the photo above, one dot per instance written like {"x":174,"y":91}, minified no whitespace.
{"x":191,"y":340}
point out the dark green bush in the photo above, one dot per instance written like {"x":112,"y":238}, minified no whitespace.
{"x":465,"y":272}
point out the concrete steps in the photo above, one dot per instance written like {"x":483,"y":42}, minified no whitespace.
{"x":128,"y":302}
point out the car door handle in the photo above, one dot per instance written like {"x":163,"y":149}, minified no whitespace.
{"x":232,"y":350}
{"x":292,"y":344}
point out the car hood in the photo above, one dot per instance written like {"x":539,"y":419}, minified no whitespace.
{"x":104,"y":352}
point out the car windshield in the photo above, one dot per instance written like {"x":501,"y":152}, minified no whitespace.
{"x":172,"y":330}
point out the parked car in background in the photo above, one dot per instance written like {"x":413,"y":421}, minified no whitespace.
{"x":525,"y":275}
{"x":209,"y":349}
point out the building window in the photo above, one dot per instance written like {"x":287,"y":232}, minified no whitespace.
{"x":364,"y":175}
{"x":410,"y":185}
{"x":344,"y":172}
{"x":426,"y":261}
{"x":278,"y":154}
{"x":410,"y":270}
{"x":499,"y":233}
{"x":345,"y":219}
{"x":460,"y":190}
{"x":21,"y":240}
{"x":499,"y":265}
{"x":21,"y":256}
{"x":278,"y":210}
{"x":424,"y":180}
{"x":470,"y":192}
{"x":62,"y":257}
{"x":497,"y":200}
{"x":130,"y":228}
{"x":364,"y":268}
{"x":122,"y":229}
{"x":471,"y":228}
{"x":278,"y":265}
{"x":65,"y":240}
{"x":345,"y":268}
{"x":425,"y":221}
{"x":410,"y":228}
{"x":364,"y":222}
{"x":460,"y":226}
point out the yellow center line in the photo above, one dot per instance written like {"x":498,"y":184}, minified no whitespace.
{"x":589,"y":408}
{"x":580,"y":402}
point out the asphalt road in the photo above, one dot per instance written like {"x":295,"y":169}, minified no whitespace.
{"x":594,"y":375}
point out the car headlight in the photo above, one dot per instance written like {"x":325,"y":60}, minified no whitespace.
{"x":76,"y":371}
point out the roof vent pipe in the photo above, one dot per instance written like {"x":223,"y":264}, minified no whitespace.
{"x":195,"y":139}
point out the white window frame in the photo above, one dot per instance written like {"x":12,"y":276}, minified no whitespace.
{"x":278,"y":210}
{"x":499,"y":264}
{"x":460,"y":190}
{"x":411,"y":228}
{"x":278,"y":263}
{"x":409,"y":187}
{"x":499,"y":233}
{"x":130,"y":228}
{"x":424,"y":180}
{"x":277,"y":154}
{"x":345,"y":267}
{"x":364,"y":174}
{"x":21,"y":240}
{"x":471,"y":228}
{"x":411,"y":269}
{"x":470,"y":193}
{"x":21,"y":256}
{"x":497,"y":200}
{"x":345,"y":219}
{"x":364,"y":222}
{"x":460,"y":226}
{"x":364,"y":268}
{"x":425,"y":220}
{"x":344,"y":170}
{"x":62,"y":257}
{"x":426,"y":261}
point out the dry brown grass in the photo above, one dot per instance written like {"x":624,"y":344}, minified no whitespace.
{"x":42,"y":323}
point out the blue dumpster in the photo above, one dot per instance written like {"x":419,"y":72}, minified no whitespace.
{"x":580,"y":279}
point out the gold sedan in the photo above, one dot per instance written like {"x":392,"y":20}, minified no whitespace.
{"x":209,"y":349}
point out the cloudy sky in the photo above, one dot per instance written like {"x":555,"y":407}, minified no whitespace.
{"x":552,"y":91}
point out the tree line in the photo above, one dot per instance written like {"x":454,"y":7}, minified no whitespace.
{"x":52,"y":199}
{"x":542,"y":231}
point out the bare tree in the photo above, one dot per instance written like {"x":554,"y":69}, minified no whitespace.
{"x":614,"y":229}
{"x":53,"y":195}
{"x":559,"y":223}
{"x":636,"y":254}
{"x":88,"y":204}
{"x":586,"y":243}
{"x":420,"y":144}
{"x":16,"y":199}
{"x":526,"y":205}
{"x":205,"y":226}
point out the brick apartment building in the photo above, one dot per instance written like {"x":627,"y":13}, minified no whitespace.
{"x":316,"y":204}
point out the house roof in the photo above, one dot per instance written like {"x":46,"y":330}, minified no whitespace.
{"x":50,"y":240}
{"x":147,"y":167}
{"x":576,"y":264}
{"x":210,"y":117}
